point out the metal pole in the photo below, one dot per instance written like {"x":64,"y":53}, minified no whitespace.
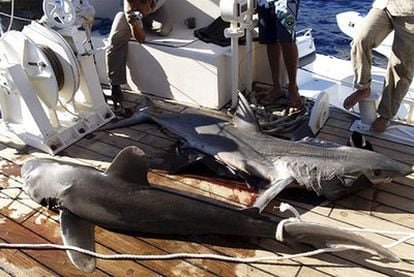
{"x":249,"y":47}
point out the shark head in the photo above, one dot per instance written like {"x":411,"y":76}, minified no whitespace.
{"x":334,"y":171}
{"x":39,"y":183}
{"x":46,"y":182}
{"x":383,"y":169}
{"x":376,"y":167}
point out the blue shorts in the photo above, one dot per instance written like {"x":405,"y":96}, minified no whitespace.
{"x":276,"y":26}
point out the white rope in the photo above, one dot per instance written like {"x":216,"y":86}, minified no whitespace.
{"x":17,"y":17}
{"x":10,"y":20}
{"x":279,"y":236}
{"x":279,"y":228}
{"x":407,"y":235}
{"x":47,"y":246}
{"x":283,"y":208}
{"x":11,"y":16}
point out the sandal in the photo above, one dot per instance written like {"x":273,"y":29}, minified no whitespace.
{"x":296,"y":109}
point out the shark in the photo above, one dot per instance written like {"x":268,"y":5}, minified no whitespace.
{"x":268,"y":163}
{"x":122,"y":200}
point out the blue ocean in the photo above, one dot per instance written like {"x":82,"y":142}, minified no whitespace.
{"x":320,"y":15}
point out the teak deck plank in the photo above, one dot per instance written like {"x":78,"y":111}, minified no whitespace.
{"x":53,"y":260}
{"x":50,"y":228}
{"x":387,"y":206}
{"x":16,"y":263}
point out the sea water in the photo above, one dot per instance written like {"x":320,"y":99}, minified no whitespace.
{"x":320,"y":15}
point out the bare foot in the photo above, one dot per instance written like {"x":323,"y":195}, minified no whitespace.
{"x":380,"y":124}
{"x":356,"y":97}
{"x":296,"y":104}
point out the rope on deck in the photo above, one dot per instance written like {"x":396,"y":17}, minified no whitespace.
{"x":48,"y":246}
{"x":283,"y":207}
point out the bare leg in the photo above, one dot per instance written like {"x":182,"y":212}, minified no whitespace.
{"x":290,"y":57}
{"x":274,"y":55}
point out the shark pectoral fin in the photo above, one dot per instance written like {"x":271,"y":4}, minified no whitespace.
{"x":268,"y":194}
{"x":319,"y":235}
{"x":130,"y":165}
{"x":80,"y":233}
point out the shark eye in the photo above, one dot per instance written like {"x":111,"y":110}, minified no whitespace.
{"x":377,"y":172}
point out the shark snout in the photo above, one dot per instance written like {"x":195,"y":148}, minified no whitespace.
{"x":404,"y":169}
{"x":388,"y":170}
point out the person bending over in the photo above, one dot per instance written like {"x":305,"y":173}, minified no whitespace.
{"x":382,"y":19}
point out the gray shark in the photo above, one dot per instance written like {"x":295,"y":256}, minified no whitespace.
{"x":269,"y":163}
{"x":121,"y":199}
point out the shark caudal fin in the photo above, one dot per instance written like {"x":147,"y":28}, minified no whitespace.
{"x":80,"y":233}
{"x":244,"y":117}
{"x":141,"y":115}
{"x":130,"y":165}
{"x":321,"y":236}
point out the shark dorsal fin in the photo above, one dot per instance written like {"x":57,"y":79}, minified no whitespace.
{"x":244,"y":117}
{"x":130,"y":165}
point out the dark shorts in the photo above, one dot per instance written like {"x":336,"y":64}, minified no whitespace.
{"x":274,"y":29}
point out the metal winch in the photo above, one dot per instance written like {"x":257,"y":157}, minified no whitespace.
{"x":50,"y":94}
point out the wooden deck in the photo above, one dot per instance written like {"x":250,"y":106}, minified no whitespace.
{"x":387,"y":207}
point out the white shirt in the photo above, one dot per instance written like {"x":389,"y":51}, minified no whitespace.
{"x":380,"y":4}
{"x":396,"y":7}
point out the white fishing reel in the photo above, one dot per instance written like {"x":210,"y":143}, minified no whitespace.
{"x":50,"y":94}
{"x":63,"y":14}
{"x":59,"y":13}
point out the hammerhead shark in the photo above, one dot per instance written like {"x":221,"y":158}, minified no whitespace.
{"x":268,"y":163}
{"x":121,"y":199}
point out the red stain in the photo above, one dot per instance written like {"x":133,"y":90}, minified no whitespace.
{"x":10,"y":169}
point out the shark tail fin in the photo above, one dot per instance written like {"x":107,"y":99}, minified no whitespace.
{"x":320,"y":235}
{"x":141,"y":115}
{"x":79,"y":233}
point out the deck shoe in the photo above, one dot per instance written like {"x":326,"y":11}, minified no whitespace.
{"x":115,"y":97}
